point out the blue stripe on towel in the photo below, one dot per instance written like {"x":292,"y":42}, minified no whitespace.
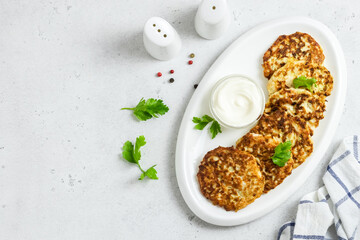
{"x":337,"y":225}
{"x":327,"y":197}
{"x":353,"y":235}
{"x":342,"y":185}
{"x":346,"y":197}
{"x":289,"y":224}
{"x":308,"y":237}
{"x":356,"y":154}
{"x":342,"y":156}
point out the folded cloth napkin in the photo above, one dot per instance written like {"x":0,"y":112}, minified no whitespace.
{"x":337,"y":202}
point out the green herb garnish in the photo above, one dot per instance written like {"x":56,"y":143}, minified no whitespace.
{"x":133,"y":155}
{"x":149,"y":109}
{"x":205,"y":120}
{"x":302,"y":81}
{"x":282,"y":154}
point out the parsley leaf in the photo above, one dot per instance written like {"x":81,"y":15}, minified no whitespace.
{"x":282,"y":154}
{"x":127,"y":153}
{"x":215,"y":129}
{"x":302,"y":81}
{"x":140,"y":141}
{"x":205,"y":120}
{"x":151,"y":173}
{"x":133,"y":155}
{"x":202,"y":122}
{"x":142,"y":176}
{"x":150,"y":108}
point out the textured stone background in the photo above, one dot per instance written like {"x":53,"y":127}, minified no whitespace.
{"x":67,"y":67}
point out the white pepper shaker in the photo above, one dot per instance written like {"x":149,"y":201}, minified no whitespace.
{"x":212,"y":18}
{"x":161,"y":40}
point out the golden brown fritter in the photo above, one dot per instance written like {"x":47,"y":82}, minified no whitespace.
{"x":263,"y":148}
{"x":230,"y":178}
{"x":284,"y":77}
{"x":300,"y":103}
{"x":298,"y":46}
{"x":282,"y":126}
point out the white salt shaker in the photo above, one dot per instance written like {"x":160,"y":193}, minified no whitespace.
{"x":212,"y":18}
{"x":161,"y":40}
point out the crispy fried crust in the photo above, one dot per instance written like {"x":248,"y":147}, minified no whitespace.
{"x":230,"y":178}
{"x":234,"y":177}
{"x":282,"y":126}
{"x":298,"y":46}
{"x":263,"y":149}
{"x":284,"y":77}
{"x":300,"y":103}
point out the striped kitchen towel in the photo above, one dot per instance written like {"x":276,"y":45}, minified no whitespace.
{"x":336,"y":204}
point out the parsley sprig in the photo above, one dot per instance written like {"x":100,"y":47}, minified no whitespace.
{"x":132,"y":154}
{"x":302,"y":81}
{"x":282,"y":154}
{"x":205,"y":120}
{"x":150,"y":108}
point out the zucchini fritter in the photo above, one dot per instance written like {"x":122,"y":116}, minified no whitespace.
{"x":230,"y":178}
{"x":298,"y":46}
{"x":284,"y":77}
{"x":282,"y":126}
{"x":263,"y":149}
{"x":300,"y":103}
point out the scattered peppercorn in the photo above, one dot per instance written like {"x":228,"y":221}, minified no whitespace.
{"x":196,"y":85}
{"x":172,"y":71}
{"x":190,"y":62}
{"x":192,"y":55}
{"x":171,"y":80}
{"x":159,"y":74}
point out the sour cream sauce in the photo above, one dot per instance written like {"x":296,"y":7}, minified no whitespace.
{"x":237,"y":101}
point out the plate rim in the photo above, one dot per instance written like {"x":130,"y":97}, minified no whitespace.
{"x":326,"y":137}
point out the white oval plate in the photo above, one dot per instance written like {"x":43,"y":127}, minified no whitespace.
{"x":244,"y":56}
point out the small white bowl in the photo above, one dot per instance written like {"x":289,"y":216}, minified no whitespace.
{"x":223,"y":80}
